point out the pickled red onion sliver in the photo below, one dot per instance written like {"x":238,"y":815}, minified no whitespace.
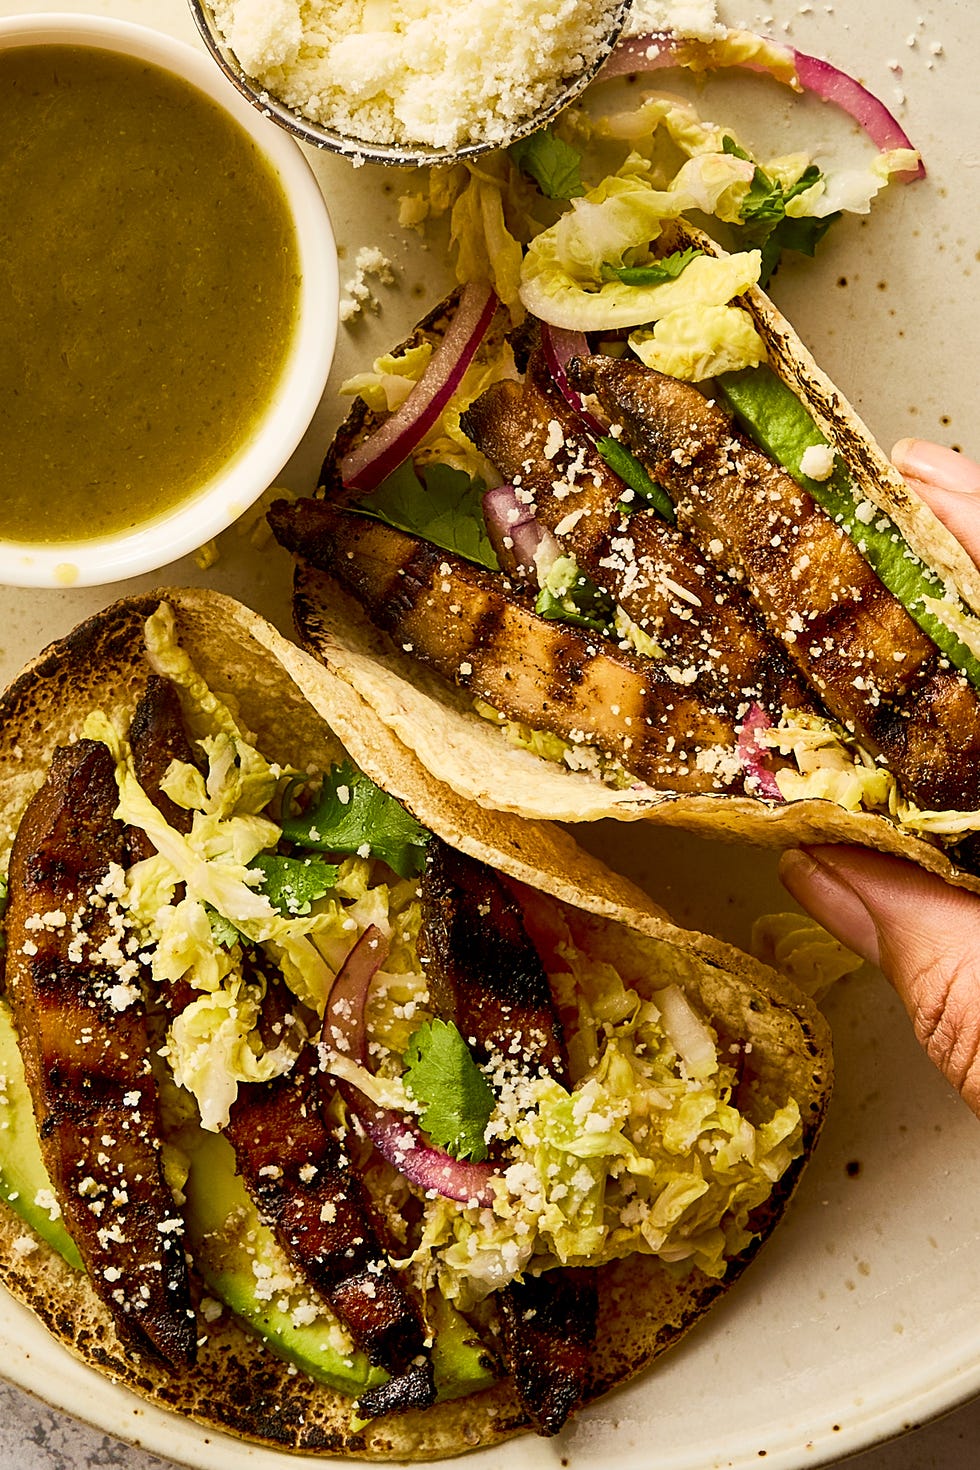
{"x":560,"y":346}
{"x":344,"y":1029}
{"x":402,"y":1143}
{"x":514,"y":533}
{"x":396,"y":1137}
{"x":828,"y":82}
{"x":754,"y":755}
{"x":383,"y":451}
{"x":835,"y":86}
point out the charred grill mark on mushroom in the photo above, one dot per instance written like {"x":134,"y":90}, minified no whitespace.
{"x":303,"y":1182}
{"x":83,"y":1033}
{"x":157,"y":738}
{"x":480,"y":632}
{"x":485,"y":975}
{"x":697,"y":615}
{"x":294,"y":1169}
{"x":482,"y":971}
{"x":871,"y":665}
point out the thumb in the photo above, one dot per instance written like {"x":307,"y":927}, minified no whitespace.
{"x":948,"y":482}
{"x":923,"y":934}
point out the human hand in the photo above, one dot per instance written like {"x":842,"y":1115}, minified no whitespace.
{"x":924,"y":934}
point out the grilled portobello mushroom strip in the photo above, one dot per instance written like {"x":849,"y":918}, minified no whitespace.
{"x":852,"y":640}
{"x":157,"y":738}
{"x":292,"y":1167}
{"x":304,"y":1184}
{"x":74,"y":985}
{"x":698,"y":616}
{"x":480,"y":632}
{"x":485,"y":975}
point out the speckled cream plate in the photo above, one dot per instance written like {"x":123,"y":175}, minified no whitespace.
{"x":860,"y":1318}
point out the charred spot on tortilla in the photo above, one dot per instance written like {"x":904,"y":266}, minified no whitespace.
{"x":263,"y":718}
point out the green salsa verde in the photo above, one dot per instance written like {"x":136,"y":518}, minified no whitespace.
{"x":149,"y":282}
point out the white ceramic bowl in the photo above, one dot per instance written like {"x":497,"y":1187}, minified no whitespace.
{"x":221,"y":499}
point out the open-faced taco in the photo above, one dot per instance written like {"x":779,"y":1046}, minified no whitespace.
{"x":695,"y":590}
{"x":348,"y":1119}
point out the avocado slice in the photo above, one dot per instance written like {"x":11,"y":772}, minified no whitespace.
{"x":775,"y":418}
{"x":234,"y":1251}
{"x":238,"y":1258}
{"x":25,"y":1184}
{"x":227,"y":1259}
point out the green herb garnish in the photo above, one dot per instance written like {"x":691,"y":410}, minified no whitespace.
{"x":765,"y":223}
{"x":352,"y":815}
{"x":584,"y":605}
{"x":457,"y":1099}
{"x":554,"y":165}
{"x":223,"y":931}
{"x":653,"y":274}
{"x":293,"y":884}
{"x":443,"y":507}
{"x":629,"y":469}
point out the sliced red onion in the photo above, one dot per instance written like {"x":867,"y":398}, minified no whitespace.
{"x":406,"y":1148}
{"x":835,"y":86}
{"x":344,"y":1030}
{"x":650,"y":53}
{"x":515,"y":535}
{"x":396,"y":1137}
{"x":384,"y":450}
{"x":754,"y":755}
{"x":641,"y":53}
{"x":560,"y":346}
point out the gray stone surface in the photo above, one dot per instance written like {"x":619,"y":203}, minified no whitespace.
{"x":33,"y":1437}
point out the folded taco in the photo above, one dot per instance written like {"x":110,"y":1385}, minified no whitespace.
{"x":350,"y":1119}
{"x":645,"y":561}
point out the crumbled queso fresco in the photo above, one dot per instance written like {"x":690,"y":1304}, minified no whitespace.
{"x":440,"y":73}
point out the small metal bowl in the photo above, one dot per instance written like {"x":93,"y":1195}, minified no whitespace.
{"x":319,"y":136}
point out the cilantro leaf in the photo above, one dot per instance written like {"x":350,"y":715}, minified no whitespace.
{"x":351,"y":814}
{"x":291,"y":884}
{"x":457,"y":1099}
{"x":554,"y":165}
{"x":765,"y":223}
{"x":729,"y":146}
{"x":803,"y":235}
{"x":628,"y":468}
{"x":223,"y":931}
{"x":444,"y":507}
{"x":584,"y":605}
{"x":654,"y":274}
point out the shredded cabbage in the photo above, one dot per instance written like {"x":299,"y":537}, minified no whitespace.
{"x":700,"y":341}
{"x":391,"y":379}
{"x":646,"y":1154}
{"x":803,"y":951}
{"x":563,"y":281}
{"x":214,"y":1044}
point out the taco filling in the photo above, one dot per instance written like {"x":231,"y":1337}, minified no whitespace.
{"x":676,"y":583}
{"x":291,"y":1054}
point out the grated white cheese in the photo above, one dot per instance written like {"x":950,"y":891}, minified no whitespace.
{"x":358,"y":295}
{"x":696,"y":18}
{"x":817,"y":462}
{"x":441,"y":73}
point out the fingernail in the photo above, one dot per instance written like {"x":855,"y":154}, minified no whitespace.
{"x":935,"y":464}
{"x":819,"y":888}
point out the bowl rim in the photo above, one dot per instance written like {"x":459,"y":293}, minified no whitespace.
{"x":241,"y":481}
